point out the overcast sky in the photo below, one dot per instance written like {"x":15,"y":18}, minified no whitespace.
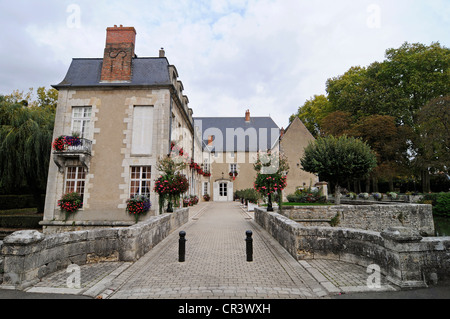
{"x":268,"y":56}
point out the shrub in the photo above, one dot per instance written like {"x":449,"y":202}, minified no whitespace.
{"x":442,"y":206}
{"x":306,"y":196}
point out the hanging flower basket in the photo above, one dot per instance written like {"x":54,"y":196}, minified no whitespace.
{"x":169,"y":187}
{"x":70,"y":203}
{"x":138,"y":206}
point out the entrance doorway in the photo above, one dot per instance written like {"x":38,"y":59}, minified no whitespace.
{"x":223,"y":191}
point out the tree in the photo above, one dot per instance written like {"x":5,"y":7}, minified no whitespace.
{"x":312,"y":113}
{"x":337,"y":123}
{"x":25,"y":146}
{"x":338,"y":160}
{"x":434,"y":131}
{"x":400,"y":87}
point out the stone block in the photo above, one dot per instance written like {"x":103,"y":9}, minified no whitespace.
{"x":401,"y":235}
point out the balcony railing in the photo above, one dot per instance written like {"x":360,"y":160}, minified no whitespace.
{"x":78,"y":145}
{"x":72,"y":148}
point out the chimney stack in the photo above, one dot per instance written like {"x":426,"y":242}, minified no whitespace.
{"x":119,"y":54}
{"x":247,"y":116}
{"x":162,"y":53}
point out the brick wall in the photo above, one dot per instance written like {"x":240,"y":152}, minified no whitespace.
{"x":119,"y":54}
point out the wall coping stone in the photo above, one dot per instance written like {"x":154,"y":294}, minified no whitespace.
{"x":24,"y":237}
{"x":402,"y":235}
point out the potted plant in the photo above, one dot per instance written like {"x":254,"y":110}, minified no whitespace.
{"x":268,"y":185}
{"x":186,"y":202}
{"x":377,"y":196}
{"x":138,"y":205}
{"x":171,"y":184}
{"x":59,"y":143}
{"x":70,"y":203}
{"x":392,"y":195}
{"x":364,"y":195}
{"x":206,"y":197}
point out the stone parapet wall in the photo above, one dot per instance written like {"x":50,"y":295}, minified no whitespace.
{"x":27,"y":256}
{"x":367,"y":217}
{"x":407,"y":259}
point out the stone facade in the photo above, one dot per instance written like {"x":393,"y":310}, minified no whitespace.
{"x":120,"y":144}
{"x":293,"y":143}
{"x":131,"y":110}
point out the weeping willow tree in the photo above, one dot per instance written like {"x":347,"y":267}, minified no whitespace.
{"x":25,"y":146}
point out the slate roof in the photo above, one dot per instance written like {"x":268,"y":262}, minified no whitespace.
{"x":145,"y":72}
{"x":234,"y":134}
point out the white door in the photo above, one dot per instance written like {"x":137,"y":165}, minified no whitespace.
{"x":223,"y":192}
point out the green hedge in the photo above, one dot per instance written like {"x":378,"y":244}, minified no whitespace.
{"x":442,"y":206}
{"x":17,"y":201}
{"x":440,"y":202}
{"x":27,"y":221}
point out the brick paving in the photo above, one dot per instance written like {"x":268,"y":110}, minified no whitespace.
{"x":215,"y":266}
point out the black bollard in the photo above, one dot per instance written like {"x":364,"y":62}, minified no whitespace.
{"x":182,"y":247}
{"x":249,"y":245}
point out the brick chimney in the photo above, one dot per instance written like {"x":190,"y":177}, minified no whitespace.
{"x":119,"y":54}
{"x":247,"y":116}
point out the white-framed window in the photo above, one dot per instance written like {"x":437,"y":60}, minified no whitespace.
{"x":206,"y":165}
{"x":233,"y":168}
{"x":205,"y":188}
{"x":75,"y":180}
{"x":81,"y":120}
{"x":140,"y":181}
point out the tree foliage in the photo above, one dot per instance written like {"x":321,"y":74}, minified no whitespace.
{"x":338,"y":159}
{"x":26,"y":129}
{"x":385,"y":104}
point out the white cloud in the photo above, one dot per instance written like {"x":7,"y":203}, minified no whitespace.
{"x":266,"y":55}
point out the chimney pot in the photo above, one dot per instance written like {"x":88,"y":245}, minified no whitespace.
{"x":247,"y":116}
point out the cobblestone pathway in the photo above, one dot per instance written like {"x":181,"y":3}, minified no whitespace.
{"x":215,"y":267}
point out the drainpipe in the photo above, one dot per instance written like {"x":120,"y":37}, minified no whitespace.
{"x":170,"y":120}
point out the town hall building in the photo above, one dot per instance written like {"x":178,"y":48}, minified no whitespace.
{"x":128,"y":112}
